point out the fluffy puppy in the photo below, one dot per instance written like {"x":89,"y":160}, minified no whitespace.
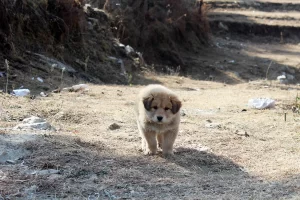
{"x":158,"y":117}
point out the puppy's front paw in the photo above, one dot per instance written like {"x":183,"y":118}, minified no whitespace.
{"x":149,"y":153}
{"x":168,"y":154}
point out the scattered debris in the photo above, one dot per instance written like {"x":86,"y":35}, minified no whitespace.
{"x":261,"y":103}
{"x":114,"y":126}
{"x":242,"y":133}
{"x":119,"y":61}
{"x":11,"y":155}
{"x":76,"y":88}
{"x":223,"y":26}
{"x":21,"y":92}
{"x":213,"y":125}
{"x":34,"y":123}
{"x":129,"y":49}
{"x":53,"y":63}
{"x":43,"y":94}
{"x":285,"y":78}
{"x":2,"y":74}
{"x":44,"y":172}
{"x":282,"y":79}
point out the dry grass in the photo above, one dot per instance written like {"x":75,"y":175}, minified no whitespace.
{"x":161,"y":30}
{"x":212,"y":163}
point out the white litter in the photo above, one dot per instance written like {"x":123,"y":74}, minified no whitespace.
{"x":76,"y":88}
{"x":261,"y":103}
{"x":80,"y":87}
{"x":281,"y":77}
{"x":129,"y":49}
{"x":43,"y":94}
{"x":20,"y":92}
{"x":34,"y":123}
{"x":40,"y":79}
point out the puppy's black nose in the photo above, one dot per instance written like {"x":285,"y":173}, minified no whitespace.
{"x":159,"y":118}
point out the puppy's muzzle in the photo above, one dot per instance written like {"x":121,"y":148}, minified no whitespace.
{"x":159,"y":118}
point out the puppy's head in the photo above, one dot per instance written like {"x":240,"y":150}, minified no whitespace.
{"x":161,"y":107}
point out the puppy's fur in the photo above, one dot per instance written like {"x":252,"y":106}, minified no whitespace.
{"x":158,"y":117}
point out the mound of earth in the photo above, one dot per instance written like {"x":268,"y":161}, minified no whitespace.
{"x":162,"y":30}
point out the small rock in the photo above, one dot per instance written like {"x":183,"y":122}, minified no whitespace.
{"x":10,"y":162}
{"x":244,"y":110}
{"x":223,"y":26}
{"x":290,"y":77}
{"x":182,"y":113}
{"x":129,"y":49}
{"x":34,"y":123}
{"x":290,"y":70}
{"x":114,"y":126}
{"x":31,"y":190}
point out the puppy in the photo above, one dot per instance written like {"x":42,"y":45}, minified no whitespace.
{"x":158,"y":117}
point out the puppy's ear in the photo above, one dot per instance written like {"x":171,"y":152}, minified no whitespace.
{"x":147,"y":101}
{"x":176,"y":105}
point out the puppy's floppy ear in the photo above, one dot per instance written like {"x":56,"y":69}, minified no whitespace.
{"x":176,"y":105}
{"x":147,"y":101}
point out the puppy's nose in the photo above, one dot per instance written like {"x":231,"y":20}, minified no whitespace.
{"x":159,"y":118}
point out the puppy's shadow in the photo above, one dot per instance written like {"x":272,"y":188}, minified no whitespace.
{"x":195,"y":159}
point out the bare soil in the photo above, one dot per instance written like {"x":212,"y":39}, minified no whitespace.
{"x":224,"y":150}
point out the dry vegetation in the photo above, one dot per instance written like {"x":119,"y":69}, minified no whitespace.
{"x":162,"y":30}
{"x":224,"y":149}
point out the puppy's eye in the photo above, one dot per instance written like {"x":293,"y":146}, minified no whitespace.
{"x":167,"y":108}
{"x":155,"y":107}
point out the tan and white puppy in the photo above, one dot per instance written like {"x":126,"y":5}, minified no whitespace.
{"x":158,"y":117}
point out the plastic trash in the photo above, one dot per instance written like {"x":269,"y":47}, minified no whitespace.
{"x":261,"y":103}
{"x":40,"y":79}
{"x":21,"y":92}
{"x":282,"y":78}
{"x":79,"y":87}
{"x":2,"y":74}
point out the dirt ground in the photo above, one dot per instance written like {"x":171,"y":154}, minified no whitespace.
{"x":225,"y":150}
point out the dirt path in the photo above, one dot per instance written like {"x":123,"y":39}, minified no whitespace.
{"x":259,"y":18}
